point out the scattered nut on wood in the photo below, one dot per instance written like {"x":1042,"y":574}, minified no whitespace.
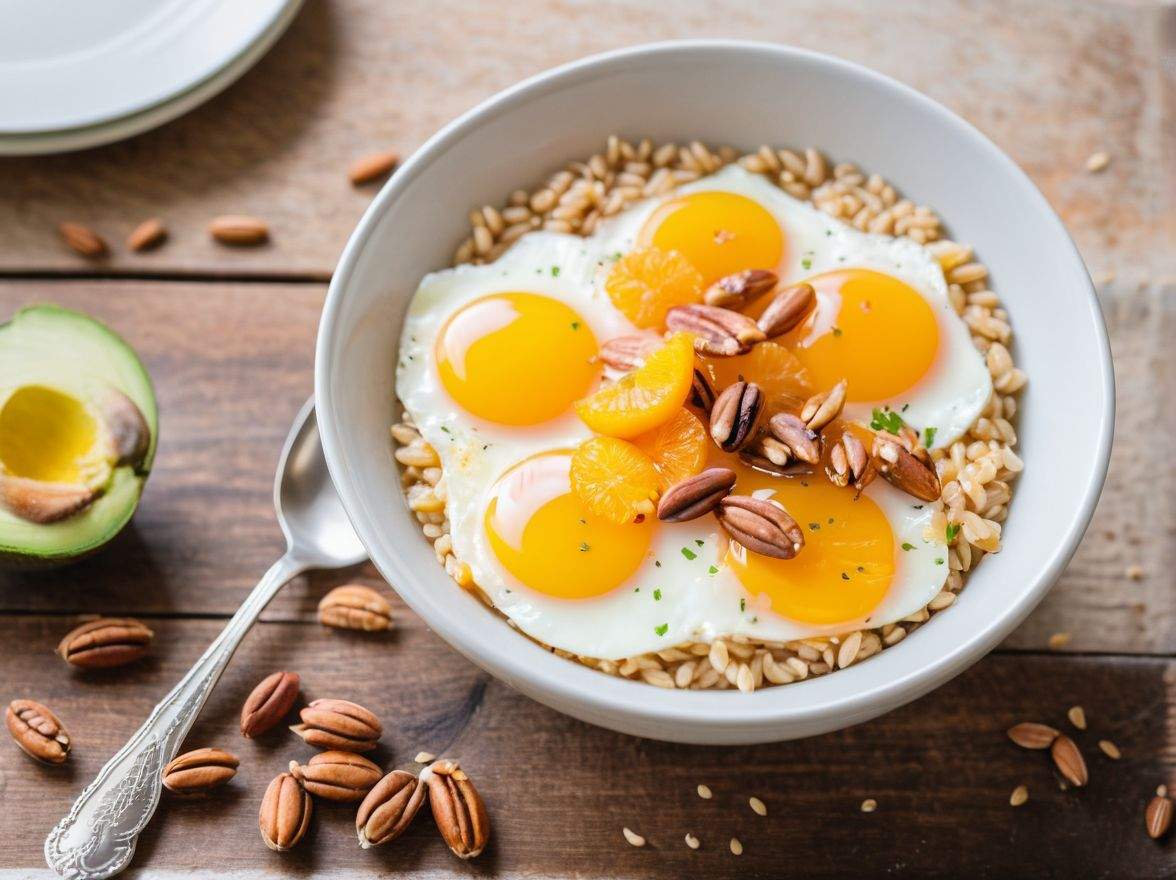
{"x":37,"y":731}
{"x":285,"y":813}
{"x":1158,"y":816}
{"x":355,"y":606}
{"x":1096,"y":162}
{"x":1019,"y":796}
{"x":82,"y":239}
{"x":199,"y":771}
{"x":268,"y":703}
{"x":372,"y":166}
{"x":105,"y":643}
{"x":239,"y":229}
{"x":459,"y":811}
{"x":147,"y":235}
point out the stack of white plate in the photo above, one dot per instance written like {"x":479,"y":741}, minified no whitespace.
{"x":79,"y":73}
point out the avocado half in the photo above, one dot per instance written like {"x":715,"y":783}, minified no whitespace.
{"x":78,"y":429}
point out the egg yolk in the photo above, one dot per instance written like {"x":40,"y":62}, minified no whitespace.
{"x":869,"y":328}
{"x":546,"y":537}
{"x":516,"y":358}
{"x":719,"y":233}
{"x":847,"y":563}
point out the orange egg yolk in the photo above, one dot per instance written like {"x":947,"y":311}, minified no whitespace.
{"x":848,"y":560}
{"x":546,"y":537}
{"x":717,"y":232}
{"x":869,"y":328}
{"x":516,"y":358}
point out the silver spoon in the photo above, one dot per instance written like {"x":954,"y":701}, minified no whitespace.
{"x":97,"y":839}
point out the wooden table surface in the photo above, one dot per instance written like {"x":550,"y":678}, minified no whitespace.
{"x":228,"y":336}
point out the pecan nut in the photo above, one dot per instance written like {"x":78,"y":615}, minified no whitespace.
{"x":105,"y":642}
{"x":760,"y":526}
{"x":717,"y":332}
{"x":702,"y":396}
{"x":339,"y":724}
{"x":820,"y":409}
{"x":199,"y":771}
{"x":691,"y":498}
{"x":800,"y":441}
{"x":457,"y":808}
{"x":738,"y":289}
{"x":37,"y":731}
{"x":735,"y":415}
{"x":285,"y":813}
{"x":389,"y":808}
{"x":354,"y":606}
{"x":849,"y":464}
{"x":786,"y":310}
{"x":903,"y":470}
{"x":625,"y":353}
{"x":343,"y":777}
{"x":268,"y":703}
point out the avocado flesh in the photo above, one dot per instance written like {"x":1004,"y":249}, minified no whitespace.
{"x":47,"y":351}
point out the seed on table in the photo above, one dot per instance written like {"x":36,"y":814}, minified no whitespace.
{"x":148,"y":234}
{"x":691,"y":841}
{"x":633,"y":837}
{"x":1019,"y":796}
{"x":239,"y":229}
{"x":704,"y":792}
{"x":1110,"y":749}
{"x":1077,"y":716}
{"x":736,"y":847}
{"x":869,"y":805}
{"x":758,"y":806}
{"x":82,"y":239}
{"x":372,"y":166}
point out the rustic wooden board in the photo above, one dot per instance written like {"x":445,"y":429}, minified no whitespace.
{"x":205,"y":530}
{"x":1050,"y":82}
{"x":559,"y":791}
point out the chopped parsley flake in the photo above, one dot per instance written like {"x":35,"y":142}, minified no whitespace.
{"x":836,"y":331}
{"x":928,"y":436}
{"x":657,"y":595}
{"x":662,"y":630}
{"x":951,"y":531}
{"x":742,"y":604}
{"x":657,"y":562}
{"x":584,"y":548}
{"x":905,"y":407}
{"x":939,"y":560}
{"x":830,"y":520}
{"x":844,"y":576}
{"x":699,"y":541}
{"x":815,"y":526}
{"x":906,"y":546}
{"x":713,"y":570}
{"x":806,"y":263}
{"x":446,"y":429}
{"x":886,"y":420}
{"x":575,"y":325}
{"x":555,"y":271}
{"x":688,"y":553}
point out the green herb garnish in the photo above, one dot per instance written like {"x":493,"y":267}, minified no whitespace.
{"x":662,"y":630}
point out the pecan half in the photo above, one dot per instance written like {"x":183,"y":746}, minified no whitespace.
{"x":820,"y":409}
{"x":796,"y":436}
{"x":903,"y":470}
{"x":702,"y":396}
{"x":199,"y":771}
{"x":786,"y":310}
{"x":735,"y":415}
{"x":268,"y":703}
{"x":849,"y":463}
{"x":738,"y":289}
{"x":691,"y":498}
{"x":339,"y":724}
{"x":355,"y":606}
{"x":105,"y":642}
{"x":337,"y":776}
{"x":37,"y":731}
{"x":388,"y":808}
{"x":760,"y":526}
{"x":717,"y":332}
{"x":457,"y":808}
{"x":285,"y":813}
{"x":625,"y":353}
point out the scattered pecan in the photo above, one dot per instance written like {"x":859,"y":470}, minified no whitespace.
{"x":737,"y":290}
{"x":388,"y":808}
{"x":1158,"y":816}
{"x":105,"y":642}
{"x":372,"y":167}
{"x":1069,"y":760}
{"x":717,"y":332}
{"x":800,"y":441}
{"x":268,"y":703}
{"x":37,"y":731}
{"x":1031,"y":735}
{"x":355,"y":606}
{"x":199,"y":771}
{"x":625,"y":353}
{"x":760,"y":526}
{"x":82,"y":239}
{"x":339,"y":724}
{"x":786,"y":310}
{"x":849,"y":463}
{"x":457,"y":808}
{"x":695,"y":496}
{"x":337,"y":776}
{"x":238,"y":229}
{"x":820,"y":409}
{"x":285,"y":813}
{"x":735,"y":415}
{"x":903,"y":470}
{"x":148,"y":234}
{"x":702,"y":396}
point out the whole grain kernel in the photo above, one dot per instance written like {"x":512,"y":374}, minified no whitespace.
{"x":1096,"y":162}
{"x":869,"y":805}
{"x":1110,"y":749}
{"x":1019,"y":796}
{"x":1059,"y":640}
{"x":692,"y":841}
{"x":424,"y":757}
{"x":633,"y":837}
{"x":736,"y":847}
{"x":1077,"y":716}
{"x":758,"y":806}
{"x":704,"y":792}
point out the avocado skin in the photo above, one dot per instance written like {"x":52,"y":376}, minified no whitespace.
{"x":73,"y":323}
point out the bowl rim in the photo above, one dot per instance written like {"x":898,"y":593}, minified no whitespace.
{"x":591,"y":692}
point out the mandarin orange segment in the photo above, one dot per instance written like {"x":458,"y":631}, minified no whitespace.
{"x":770,"y":365}
{"x":678,"y":448}
{"x":646,"y":397}
{"x":614,"y":479}
{"x":648,"y":282}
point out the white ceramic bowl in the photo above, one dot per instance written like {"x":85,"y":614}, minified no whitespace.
{"x":744,"y":94}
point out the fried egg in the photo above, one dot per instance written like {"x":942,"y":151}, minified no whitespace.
{"x":493,"y":358}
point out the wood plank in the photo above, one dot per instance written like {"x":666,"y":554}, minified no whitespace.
{"x":559,"y":791}
{"x":1050,"y":83}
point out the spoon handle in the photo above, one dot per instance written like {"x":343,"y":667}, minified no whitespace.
{"x":97,"y":838}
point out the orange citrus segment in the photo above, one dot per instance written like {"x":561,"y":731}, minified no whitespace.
{"x":614,"y":479}
{"x":770,"y":365}
{"x":646,"y":397}
{"x":646,"y":283}
{"x":678,"y":448}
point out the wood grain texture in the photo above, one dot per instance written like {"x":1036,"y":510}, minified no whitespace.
{"x":232,"y":363}
{"x":559,"y":791}
{"x":1049,"y":82}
